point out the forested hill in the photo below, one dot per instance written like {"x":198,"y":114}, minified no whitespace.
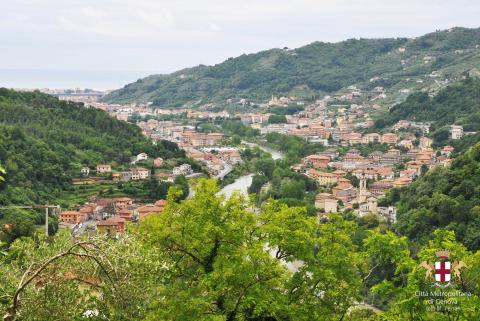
{"x":44,"y":142}
{"x":446,"y":198}
{"x":457,"y":104}
{"x":313,"y":69}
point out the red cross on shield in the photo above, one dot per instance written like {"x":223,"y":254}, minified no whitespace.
{"x":442,"y":271}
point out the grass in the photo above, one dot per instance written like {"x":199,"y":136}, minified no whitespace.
{"x":80,"y":194}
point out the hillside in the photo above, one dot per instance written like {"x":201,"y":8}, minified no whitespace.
{"x":44,"y":142}
{"x":315,"y":69}
{"x":446,"y":198}
{"x":458,"y":103}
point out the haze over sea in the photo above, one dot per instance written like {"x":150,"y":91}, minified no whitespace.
{"x":56,"y":79}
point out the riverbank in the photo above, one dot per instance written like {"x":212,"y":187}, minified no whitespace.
{"x":242,"y":183}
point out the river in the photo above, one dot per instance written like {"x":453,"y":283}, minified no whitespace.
{"x":275,"y":153}
{"x":241,"y":185}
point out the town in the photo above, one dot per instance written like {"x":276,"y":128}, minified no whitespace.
{"x":354,"y":171}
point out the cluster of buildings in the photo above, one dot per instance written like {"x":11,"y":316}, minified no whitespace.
{"x":184,"y":135}
{"x":219,"y":160}
{"x":109,"y":215}
{"x":382,"y":170}
{"x":199,"y":146}
{"x":134,"y":174}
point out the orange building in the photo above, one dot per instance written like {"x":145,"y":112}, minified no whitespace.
{"x":317,"y":161}
{"x":111,"y":226}
{"x":148,"y":209}
{"x":73,"y":217}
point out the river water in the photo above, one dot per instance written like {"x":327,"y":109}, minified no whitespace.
{"x":241,"y":185}
{"x":275,"y":153}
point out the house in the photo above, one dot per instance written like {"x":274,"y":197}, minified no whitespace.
{"x":389,"y":213}
{"x":456,"y":131}
{"x":184,"y":169}
{"x":104,"y":168}
{"x":389,"y":138}
{"x":122,"y":202}
{"x":345,"y":192}
{"x":116,"y":177}
{"x":339,"y":173}
{"x":126,"y":176}
{"x":384,"y":172}
{"x":390,"y":158}
{"x":371,"y":138}
{"x":126,"y":214}
{"x":402,"y":181}
{"x":354,"y":138}
{"x":425,"y":157}
{"x":323,"y":178}
{"x":425,"y":142}
{"x":379,"y":188}
{"x":135,"y":176}
{"x":85,"y":171}
{"x":407,"y":143}
{"x":141,"y":157}
{"x":73,"y":217}
{"x":111,"y":226}
{"x":316,"y":161}
{"x":90,"y":209}
{"x":231,"y":156}
{"x":144,"y":211}
{"x":141,"y":173}
{"x":158,"y":162}
{"x":369,"y":206}
{"x":410,"y":173}
{"x":165,"y":177}
{"x":375,"y":156}
{"x":326,"y":202}
{"x":414,"y":165}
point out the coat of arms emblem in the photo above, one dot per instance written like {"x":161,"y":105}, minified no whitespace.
{"x":443,"y":271}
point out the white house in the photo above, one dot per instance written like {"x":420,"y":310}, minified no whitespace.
{"x":142,"y":156}
{"x":85,"y":171}
{"x":184,"y":169}
{"x":457,"y":131}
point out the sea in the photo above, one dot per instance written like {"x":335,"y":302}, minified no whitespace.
{"x":68,"y":79}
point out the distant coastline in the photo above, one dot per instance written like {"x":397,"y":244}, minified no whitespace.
{"x":47,"y":78}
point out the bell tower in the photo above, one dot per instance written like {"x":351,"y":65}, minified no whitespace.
{"x":363,"y":192}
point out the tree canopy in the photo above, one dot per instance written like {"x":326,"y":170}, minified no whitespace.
{"x":211,"y":258}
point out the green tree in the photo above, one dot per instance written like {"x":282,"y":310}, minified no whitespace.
{"x":293,"y":189}
{"x":227,"y":263}
{"x":277,"y":119}
{"x":182,"y":183}
{"x":70,"y":279}
{"x":236,"y":140}
{"x":265,"y":166}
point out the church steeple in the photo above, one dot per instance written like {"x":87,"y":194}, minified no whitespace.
{"x":363,"y":192}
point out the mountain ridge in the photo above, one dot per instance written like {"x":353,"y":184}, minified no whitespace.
{"x":317,"y":68}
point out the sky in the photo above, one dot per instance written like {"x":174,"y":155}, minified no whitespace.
{"x":158,"y":36}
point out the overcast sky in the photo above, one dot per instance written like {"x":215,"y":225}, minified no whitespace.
{"x":163,"y":36}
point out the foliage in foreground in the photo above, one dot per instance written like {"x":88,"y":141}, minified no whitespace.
{"x":207,"y":258}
